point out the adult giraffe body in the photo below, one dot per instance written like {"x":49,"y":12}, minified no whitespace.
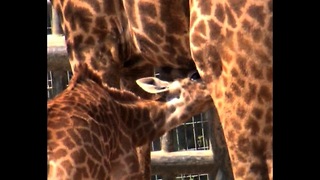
{"x":231,"y":45}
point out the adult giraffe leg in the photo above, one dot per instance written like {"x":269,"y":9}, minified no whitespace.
{"x":231,"y":44}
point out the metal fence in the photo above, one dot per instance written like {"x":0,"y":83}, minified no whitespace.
{"x":191,"y":157}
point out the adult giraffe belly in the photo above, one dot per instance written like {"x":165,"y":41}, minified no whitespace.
{"x":161,"y":32}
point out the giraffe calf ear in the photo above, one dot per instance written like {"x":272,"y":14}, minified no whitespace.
{"x":153,"y":85}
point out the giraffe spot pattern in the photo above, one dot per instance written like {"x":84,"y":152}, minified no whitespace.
{"x":241,"y":83}
{"x":269,"y":116}
{"x":257,"y":35}
{"x":80,"y":173}
{"x":101,"y":172}
{"x":59,"y":134}
{"x":197,"y":39}
{"x":131,"y":159}
{"x":244,"y":43}
{"x":236,"y":5}
{"x":215,"y":30}
{"x":246,"y":26}
{"x":234,"y":72}
{"x":268,"y":43}
{"x":242,"y":65}
{"x":169,"y":49}
{"x":257,"y":112}
{"x":68,"y":167}
{"x":256,"y":71}
{"x":243,"y":144}
{"x":213,"y":60}
{"x":262,"y":56}
{"x":240,"y":157}
{"x":92,"y":166}
{"x":78,"y":122}
{"x":249,"y":96}
{"x":93,"y":153}
{"x":235,"y":125}
{"x":205,"y":7}
{"x":52,"y":146}
{"x":241,"y":112}
{"x":252,"y":126}
{"x":97,"y":143}
{"x":230,"y":135}
{"x":225,"y":81}
{"x":60,"y":153}
{"x":259,"y":168}
{"x":229,"y":96}
{"x":258,"y":146}
{"x":231,"y":20}
{"x":174,"y":21}
{"x":270,"y":26}
{"x":101,"y":23}
{"x":74,"y":136}
{"x":145,"y":44}
{"x":264,"y":94}
{"x":240,"y":171}
{"x":50,"y":135}
{"x":58,"y":124}
{"x":153,"y":30}
{"x":193,"y":17}
{"x":89,"y":41}
{"x":218,"y":93}
{"x":78,"y":156}
{"x":94,"y":4}
{"x":201,"y":28}
{"x":85,"y":135}
{"x":108,"y":7}
{"x":131,"y":11}
{"x":257,"y":13}
{"x":267,"y":130}
{"x":67,"y":142}
{"x":100,"y":34}
{"x":77,"y":17}
{"x":235,"y":89}
{"x":147,"y":9}
{"x":219,"y":13}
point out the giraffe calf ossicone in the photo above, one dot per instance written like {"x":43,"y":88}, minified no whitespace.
{"x":93,"y":130}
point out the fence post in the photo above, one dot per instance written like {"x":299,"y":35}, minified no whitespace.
{"x":219,"y":154}
{"x":59,"y":82}
{"x":55,"y":23}
{"x":168,"y":146}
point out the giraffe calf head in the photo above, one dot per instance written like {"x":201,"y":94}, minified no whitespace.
{"x":188,"y":92}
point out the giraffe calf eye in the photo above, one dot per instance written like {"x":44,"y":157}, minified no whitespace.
{"x":195,"y":76}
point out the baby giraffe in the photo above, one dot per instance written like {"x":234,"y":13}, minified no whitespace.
{"x":93,"y":130}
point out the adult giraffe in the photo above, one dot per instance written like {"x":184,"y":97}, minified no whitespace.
{"x":231,"y":45}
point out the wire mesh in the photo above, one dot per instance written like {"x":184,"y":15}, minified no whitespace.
{"x":49,"y":85}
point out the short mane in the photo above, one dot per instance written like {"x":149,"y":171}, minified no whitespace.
{"x":82,"y":73}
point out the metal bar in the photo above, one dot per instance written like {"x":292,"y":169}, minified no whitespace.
{"x":167,"y":145}
{"x":57,"y":56}
{"x":55,"y":22}
{"x":181,"y":162}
